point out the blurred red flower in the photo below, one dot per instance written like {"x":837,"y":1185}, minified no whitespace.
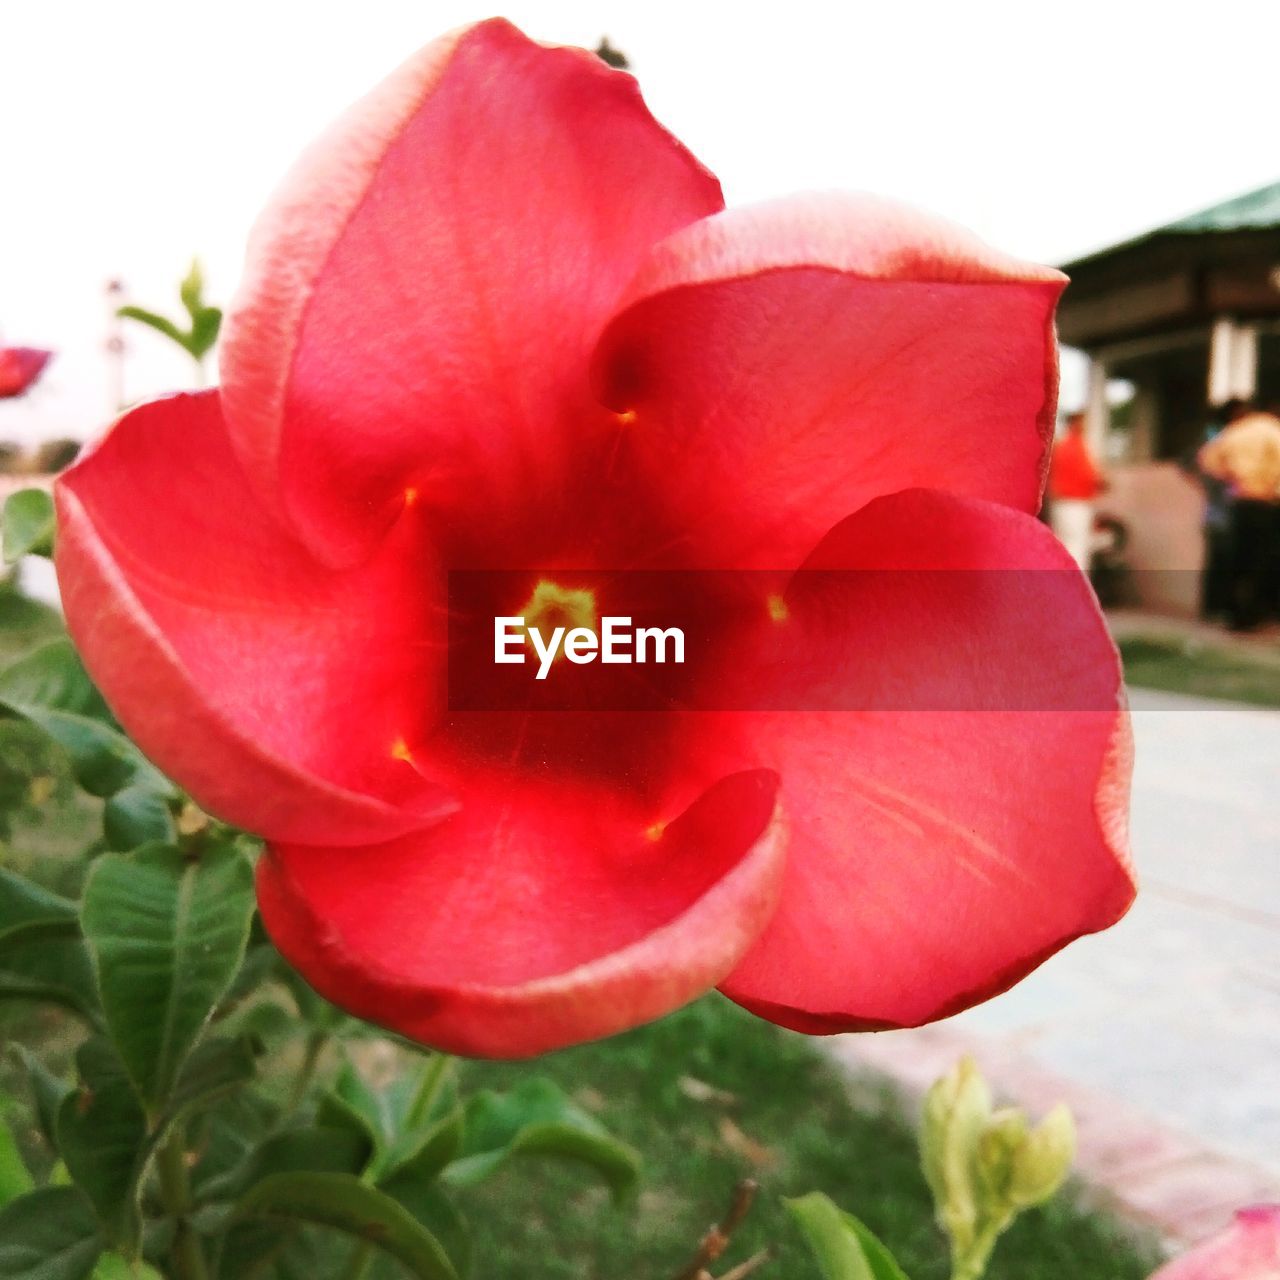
{"x":497,"y":319}
{"x":19,"y":368}
{"x":1249,"y":1249}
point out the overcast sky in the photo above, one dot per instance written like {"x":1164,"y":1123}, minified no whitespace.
{"x":137,"y":132}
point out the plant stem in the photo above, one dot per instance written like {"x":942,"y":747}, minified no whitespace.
{"x":752,"y":1264}
{"x":433,"y":1079}
{"x":972,"y":1264}
{"x":718,"y":1238}
{"x":316,"y":1042}
{"x":359,"y":1263}
{"x":175,"y":1192}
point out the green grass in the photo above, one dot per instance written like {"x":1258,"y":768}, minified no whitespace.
{"x":1180,"y":666}
{"x":781,"y":1113}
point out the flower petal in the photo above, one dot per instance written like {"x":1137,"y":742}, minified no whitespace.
{"x":19,"y":368}
{"x":535,"y":917}
{"x":423,"y":295}
{"x":273,"y":689}
{"x":818,"y":352}
{"x":940,"y":854}
{"x":1249,"y":1249}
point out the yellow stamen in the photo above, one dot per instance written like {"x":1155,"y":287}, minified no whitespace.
{"x":655,"y":831}
{"x":777,"y":607}
{"x":400,"y":751}
{"x":410,"y":496}
{"x":552,"y":605}
{"x":627,"y":416}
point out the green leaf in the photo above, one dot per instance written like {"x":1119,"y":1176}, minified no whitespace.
{"x":153,"y":320}
{"x":167,"y":934}
{"x":53,"y":969}
{"x":335,"y":1112}
{"x":344,"y":1203}
{"x":102,"y":1135}
{"x":50,"y":1234}
{"x":423,"y":1155}
{"x":47,"y":1091}
{"x":205,"y":324}
{"x":537,"y":1119}
{"x":261,"y":961}
{"x":28,"y":523}
{"x":844,"y":1247}
{"x":191,"y":290}
{"x":102,"y":760}
{"x":53,"y":676}
{"x":414,"y":1120}
{"x":226,"y":1138}
{"x":30,"y":913}
{"x":213,"y":1069}
{"x":269,"y":1250}
{"x":31,"y":770}
{"x":434,"y":1210}
{"x":313,"y":1008}
{"x":111,"y":1266}
{"x":373,"y":1107}
{"x":318,"y":1150}
{"x":49,"y":688}
{"x":15,"y":1177}
{"x":137,"y":815}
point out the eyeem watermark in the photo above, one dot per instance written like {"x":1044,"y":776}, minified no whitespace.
{"x":593,"y":642}
{"x":616,"y":642}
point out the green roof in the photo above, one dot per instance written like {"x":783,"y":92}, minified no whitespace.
{"x":1255,"y":210}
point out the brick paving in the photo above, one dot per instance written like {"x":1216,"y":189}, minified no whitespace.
{"x":1163,"y":1034}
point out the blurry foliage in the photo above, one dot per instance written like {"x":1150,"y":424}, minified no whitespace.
{"x":614,"y":57}
{"x":198,"y":331}
{"x":176,"y":1102}
{"x":53,"y":456}
{"x":26,"y":525}
{"x":188,"y":1107}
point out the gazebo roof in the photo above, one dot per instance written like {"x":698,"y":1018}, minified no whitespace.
{"x":1254,"y":211}
{"x":1221,"y":261}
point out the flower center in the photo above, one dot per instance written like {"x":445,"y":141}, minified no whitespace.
{"x":552,"y":606}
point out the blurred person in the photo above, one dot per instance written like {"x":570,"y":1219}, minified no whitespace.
{"x":1245,"y":455}
{"x":1215,"y":523}
{"x":1075,"y":480}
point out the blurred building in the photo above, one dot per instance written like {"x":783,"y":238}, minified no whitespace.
{"x":1189,"y":315}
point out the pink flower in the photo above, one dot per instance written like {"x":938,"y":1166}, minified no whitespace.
{"x":497,"y":320}
{"x":1249,"y":1249}
{"x":19,"y":368}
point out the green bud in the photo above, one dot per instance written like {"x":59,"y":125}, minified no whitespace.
{"x":1001,"y":1139}
{"x":1041,"y":1163}
{"x":191,"y":290}
{"x":956,"y":1111}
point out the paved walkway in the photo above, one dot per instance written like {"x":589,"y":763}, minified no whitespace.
{"x":1164,"y":1032}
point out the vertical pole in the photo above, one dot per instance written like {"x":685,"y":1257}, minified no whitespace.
{"x":1222,"y":345}
{"x":1097,"y":413}
{"x":1244,"y":362}
{"x":1143,"y":419}
{"x":115,"y":348}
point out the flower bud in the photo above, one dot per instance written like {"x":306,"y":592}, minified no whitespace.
{"x":956,"y":1111}
{"x":1040,"y":1164}
{"x":998,"y":1146}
